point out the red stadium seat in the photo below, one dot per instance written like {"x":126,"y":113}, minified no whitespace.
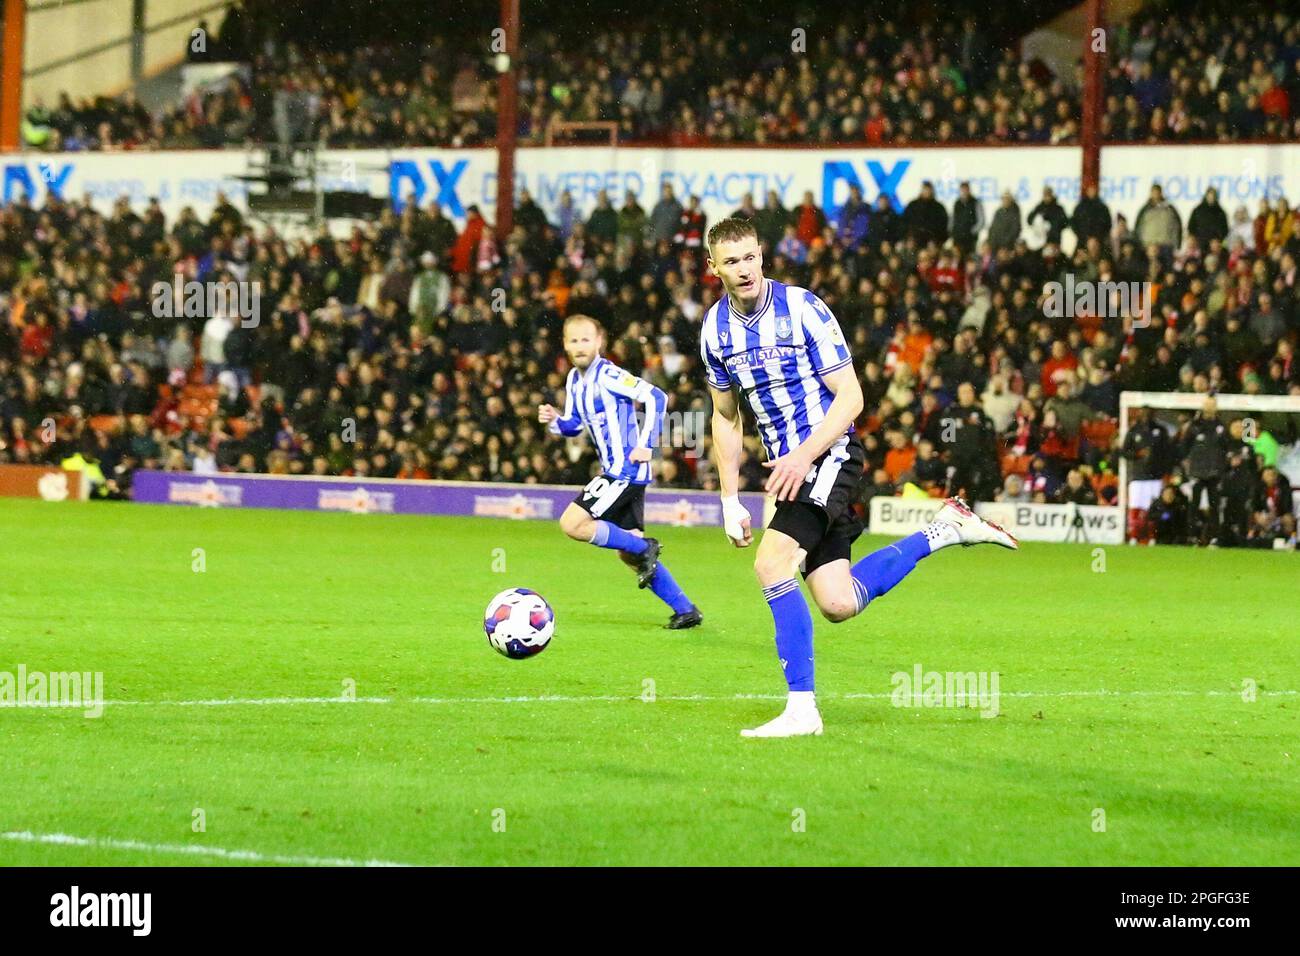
{"x":1100,"y":432}
{"x":1013,"y":464}
{"x":111,"y":424}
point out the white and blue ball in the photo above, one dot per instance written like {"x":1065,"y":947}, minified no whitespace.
{"x":519,"y":623}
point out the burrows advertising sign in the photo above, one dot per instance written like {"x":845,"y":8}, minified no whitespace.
{"x":1091,"y":524}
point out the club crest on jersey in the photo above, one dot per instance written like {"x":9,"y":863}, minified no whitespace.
{"x":784,"y":328}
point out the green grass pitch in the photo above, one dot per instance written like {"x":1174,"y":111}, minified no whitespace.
{"x":446,"y":768}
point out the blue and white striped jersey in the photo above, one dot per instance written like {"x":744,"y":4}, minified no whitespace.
{"x":603,"y":400}
{"x":777,"y":356}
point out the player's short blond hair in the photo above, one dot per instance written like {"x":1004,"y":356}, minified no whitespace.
{"x":600,"y":329}
{"x":729,"y":230}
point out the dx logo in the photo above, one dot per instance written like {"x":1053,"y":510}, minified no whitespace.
{"x":887,"y":182}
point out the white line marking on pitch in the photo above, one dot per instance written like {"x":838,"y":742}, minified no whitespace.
{"x":599,"y":698}
{"x":238,"y":856}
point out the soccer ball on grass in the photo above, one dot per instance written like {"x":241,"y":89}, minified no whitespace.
{"x":519,"y":623}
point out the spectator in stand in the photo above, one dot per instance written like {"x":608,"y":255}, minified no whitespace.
{"x":1059,"y":368}
{"x":602,"y":224}
{"x":466,"y":245}
{"x":967,"y":220}
{"x":924,"y":219}
{"x":851,"y":225}
{"x":1100,"y":394}
{"x":632,"y":221}
{"x":880,"y":484}
{"x":771,"y":220}
{"x":928,"y":470}
{"x":665,"y":216}
{"x":430,"y":293}
{"x":1023,"y":432}
{"x":809,"y":220}
{"x":1279,"y":226}
{"x":900,"y":457}
{"x":213,"y":349}
{"x":884,"y":224}
{"x":972,"y":449}
{"x":1013,"y":491}
{"x":180,"y":350}
{"x":38,"y":337}
{"x":747,"y":210}
{"x":1208,"y":221}
{"x":1242,"y":234}
{"x":999,"y":402}
{"x":1041,"y":480}
{"x":1091,"y":218}
{"x":1075,"y":490}
{"x":1005,"y":229}
{"x":792,"y":247}
{"x":1052,"y":214}
{"x":1273,"y":98}
{"x":567,"y":216}
{"x":690,"y":229}
{"x":529,"y":215}
{"x":1158,"y":224}
{"x":1071,"y":413}
{"x":1057,"y":448}
{"x":1267,"y":323}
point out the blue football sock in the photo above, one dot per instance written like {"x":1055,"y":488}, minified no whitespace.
{"x":612,"y":536}
{"x":879,"y":571}
{"x":668,"y":591}
{"x":794,"y":632}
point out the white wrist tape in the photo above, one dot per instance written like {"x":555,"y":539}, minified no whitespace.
{"x":733,"y":515}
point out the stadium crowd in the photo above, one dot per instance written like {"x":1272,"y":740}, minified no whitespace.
{"x":1207,"y":76}
{"x":413,"y":348}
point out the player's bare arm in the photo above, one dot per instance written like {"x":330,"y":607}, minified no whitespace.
{"x":728,"y":438}
{"x":790,"y":470}
{"x":651,"y":415}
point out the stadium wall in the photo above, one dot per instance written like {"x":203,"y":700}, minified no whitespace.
{"x":82,"y":47}
{"x":667,"y":506}
{"x":86,"y":47}
{"x":1244,"y":174}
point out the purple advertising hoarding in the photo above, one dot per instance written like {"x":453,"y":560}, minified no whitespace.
{"x":389,"y":496}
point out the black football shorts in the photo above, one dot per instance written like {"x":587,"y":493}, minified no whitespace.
{"x":821,"y":518}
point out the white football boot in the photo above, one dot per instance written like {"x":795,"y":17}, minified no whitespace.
{"x":799,"y":719}
{"x":971,"y":528}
